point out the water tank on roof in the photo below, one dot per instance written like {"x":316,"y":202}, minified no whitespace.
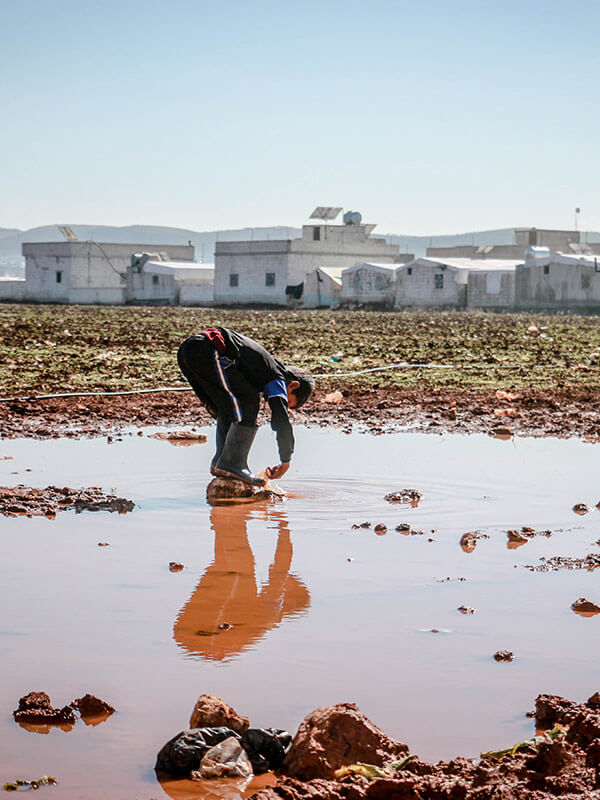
{"x":352,"y":218}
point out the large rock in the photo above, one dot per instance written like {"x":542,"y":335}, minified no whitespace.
{"x":336,"y":736}
{"x":221,"y":490}
{"x":214,"y":712}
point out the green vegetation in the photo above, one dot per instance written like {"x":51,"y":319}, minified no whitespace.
{"x":73,"y":348}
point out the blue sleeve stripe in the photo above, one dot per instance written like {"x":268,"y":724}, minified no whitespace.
{"x":275,"y":388}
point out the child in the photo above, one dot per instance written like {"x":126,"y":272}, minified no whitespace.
{"x":229,"y":372}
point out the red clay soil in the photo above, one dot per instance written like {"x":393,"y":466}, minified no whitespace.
{"x":530,"y":412}
{"x":27,"y":501}
{"x":568,"y":767}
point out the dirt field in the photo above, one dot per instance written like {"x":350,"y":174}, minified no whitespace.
{"x":508,"y":373}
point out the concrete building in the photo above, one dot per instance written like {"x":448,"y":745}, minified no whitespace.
{"x":371,"y":283}
{"x":274,"y":272}
{"x":555,"y":240}
{"x":492,"y":286}
{"x":81,"y":272}
{"x":323,"y":287}
{"x":548,"y":281}
{"x":443,"y":283}
{"x":169,"y":282}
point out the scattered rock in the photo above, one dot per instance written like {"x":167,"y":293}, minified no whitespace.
{"x":516,"y":537}
{"x":26,"y":500}
{"x":589,"y":562}
{"x":230,"y":489}
{"x":214,"y":712}
{"x":466,"y":610}
{"x":227,"y":759}
{"x":91,"y":706}
{"x":504,"y":655}
{"x":404,"y":528}
{"x":448,"y":579}
{"x":35,"y":709}
{"x":335,"y":736}
{"x":581,"y":509}
{"x":333,"y":398}
{"x":380,"y":529}
{"x":103,"y":544}
{"x":468,"y":541}
{"x":358,"y":525}
{"x":410,"y":496}
{"x":183,"y":438}
{"x":585,"y":607}
{"x":175,"y":566}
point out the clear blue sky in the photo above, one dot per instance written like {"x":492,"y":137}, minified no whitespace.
{"x":428,"y":116}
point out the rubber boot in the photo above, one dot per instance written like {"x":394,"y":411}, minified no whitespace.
{"x":221,"y":435}
{"x":233,"y":462}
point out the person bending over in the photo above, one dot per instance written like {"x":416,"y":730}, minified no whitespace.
{"x":229,"y":373}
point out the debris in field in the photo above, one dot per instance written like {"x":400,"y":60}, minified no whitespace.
{"x":371,"y":772}
{"x":358,"y":525}
{"x":504,"y":655}
{"x":27,"y":501}
{"x":585,"y":607}
{"x":266,"y":748}
{"x":468,"y":541}
{"x":516,"y":537}
{"x":182,"y":438}
{"x":225,"y":626}
{"x":466,"y":610}
{"x":404,"y":527}
{"x":333,"y":398}
{"x":409,"y":496}
{"x":175,"y":566}
{"x":103,"y":544}
{"x":448,"y":579}
{"x":380,"y":529}
{"x":589,"y":562}
{"x":182,"y":754}
{"x":501,"y":432}
{"x":581,"y":509}
{"x":532,"y":744}
{"x":227,"y":759}
{"x":35,"y":783}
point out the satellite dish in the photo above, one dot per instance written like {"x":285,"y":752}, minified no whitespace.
{"x":352,"y":218}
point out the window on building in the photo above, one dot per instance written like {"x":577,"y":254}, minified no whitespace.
{"x":546,"y":269}
{"x":155,"y":280}
{"x":409,"y":270}
{"x":59,"y":275}
{"x":586,"y":280}
{"x":438,"y":281}
{"x":316,"y":234}
{"x":270,"y":279}
{"x":234,"y":279}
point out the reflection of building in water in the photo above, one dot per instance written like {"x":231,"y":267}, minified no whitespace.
{"x":228,"y":595}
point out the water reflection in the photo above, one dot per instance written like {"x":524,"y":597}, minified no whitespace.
{"x":228,"y":612}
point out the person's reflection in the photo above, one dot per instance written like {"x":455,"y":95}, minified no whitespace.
{"x":227,"y":612}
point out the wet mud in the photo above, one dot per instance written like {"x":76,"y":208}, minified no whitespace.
{"x":31,"y":502}
{"x":563,"y":760}
{"x":561,"y":412}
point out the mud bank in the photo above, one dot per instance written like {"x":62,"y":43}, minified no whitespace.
{"x":27,"y":501}
{"x":564,"y":412}
{"x":562,"y":761}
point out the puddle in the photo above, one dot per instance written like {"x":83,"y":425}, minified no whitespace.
{"x":281,"y":608}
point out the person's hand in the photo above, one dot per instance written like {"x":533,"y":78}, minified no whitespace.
{"x":278,"y":471}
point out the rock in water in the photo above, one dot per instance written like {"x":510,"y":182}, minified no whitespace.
{"x":229,"y":490}
{"x":35,"y":709}
{"x":336,"y":736}
{"x":227,"y":759}
{"x":214,"y":712}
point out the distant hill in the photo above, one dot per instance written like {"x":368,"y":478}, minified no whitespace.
{"x":11,"y":239}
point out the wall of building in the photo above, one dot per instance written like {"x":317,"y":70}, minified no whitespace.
{"x":12,"y":290}
{"x":494,"y":289}
{"x":555,"y":240}
{"x":196,"y":294}
{"x":419,"y":285}
{"x":564,"y":286}
{"x":85,"y":272}
{"x":369,"y":285}
{"x":155,"y":289}
{"x":511,"y":251}
{"x":324,"y":293}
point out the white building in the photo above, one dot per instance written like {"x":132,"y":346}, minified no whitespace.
{"x":323,"y":287}
{"x":439,"y":283}
{"x":169,"y":282}
{"x":558,"y":281}
{"x":370,"y":282}
{"x":273,"y":272}
{"x":81,"y":272}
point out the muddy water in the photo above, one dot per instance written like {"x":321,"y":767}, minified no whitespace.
{"x":319,"y":613}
